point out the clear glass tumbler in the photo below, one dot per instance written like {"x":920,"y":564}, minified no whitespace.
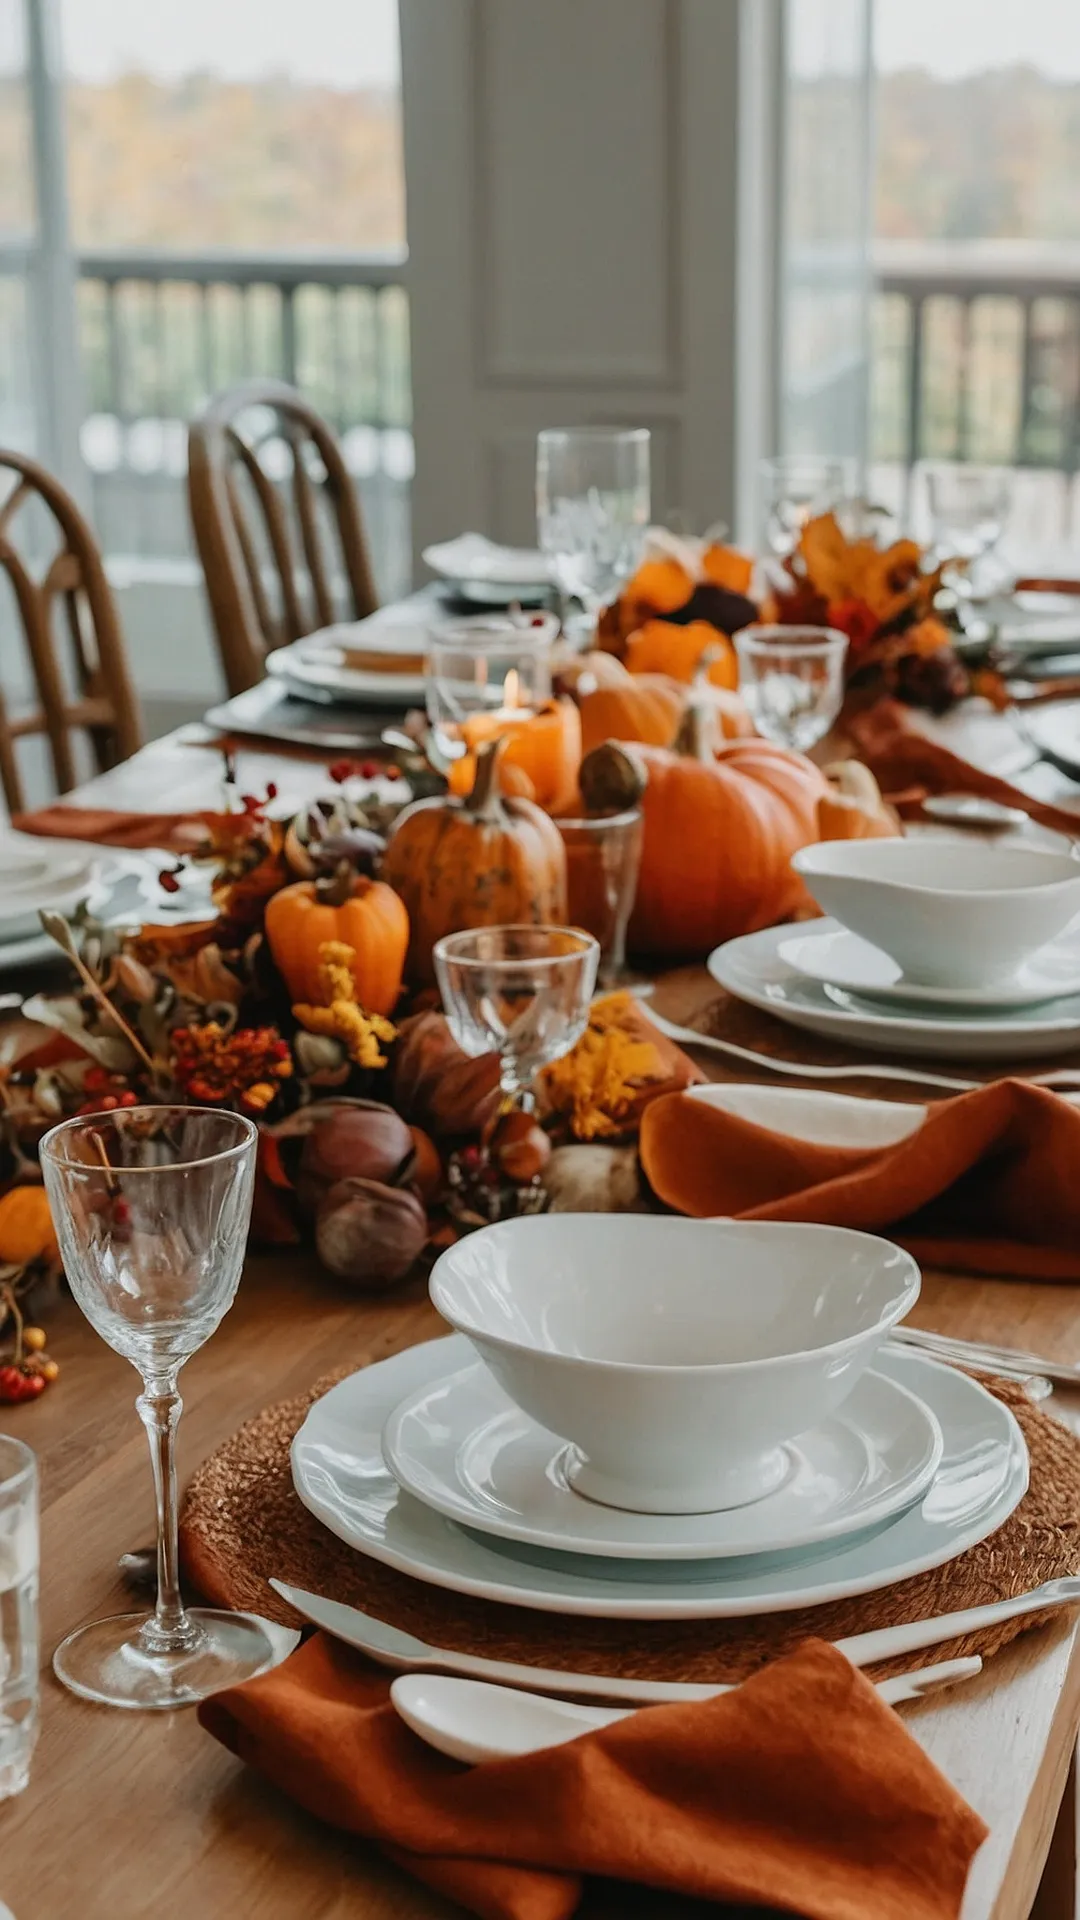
{"x":485,"y":666}
{"x":18,"y":1613}
{"x":521,"y":992}
{"x":151,"y":1206}
{"x":792,"y":680}
{"x":603,"y":857}
{"x":593,"y":501}
{"x":795,"y":487}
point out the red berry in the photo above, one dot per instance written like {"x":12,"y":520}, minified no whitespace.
{"x":168,"y":882}
{"x":33,"y":1384}
{"x":392,"y":773}
{"x":340,"y":771}
{"x":95,"y":1079}
{"x":109,"y":1103}
{"x":271,"y":789}
{"x":369,"y":769}
{"x":121,"y":1212}
{"x":128,"y":1099}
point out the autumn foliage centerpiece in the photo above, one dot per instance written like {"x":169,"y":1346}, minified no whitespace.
{"x":885,"y":599}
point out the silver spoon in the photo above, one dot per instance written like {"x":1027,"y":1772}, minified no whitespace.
{"x":473,"y":1721}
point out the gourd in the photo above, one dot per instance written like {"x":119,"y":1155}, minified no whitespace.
{"x":483,"y":861}
{"x":366,"y":915}
{"x":26,"y":1227}
{"x":720,"y":827}
{"x":852,"y":807}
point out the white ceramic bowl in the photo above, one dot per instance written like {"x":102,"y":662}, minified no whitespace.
{"x":677,"y":1355}
{"x":949,"y":913}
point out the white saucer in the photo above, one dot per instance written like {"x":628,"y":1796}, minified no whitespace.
{"x":753,"y":969}
{"x":482,"y":570}
{"x":841,"y":958}
{"x":341,"y":1477}
{"x":462,"y":1447}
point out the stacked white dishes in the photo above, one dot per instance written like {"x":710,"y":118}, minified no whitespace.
{"x":36,"y":872}
{"x":488,"y":574}
{"x":935,"y":946}
{"x":375,"y":662}
{"x":659,"y":1418}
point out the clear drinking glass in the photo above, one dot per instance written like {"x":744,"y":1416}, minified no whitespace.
{"x":18,"y":1613}
{"x":521,"y":992}
{"x":792,"y":680}
{"x":151,"y":1207}
{"x":795,"y":487}
{"x":479,"y":666}
{"x":603,"y":855}
{"x":592,"y":507}
{"x":969,"y":508}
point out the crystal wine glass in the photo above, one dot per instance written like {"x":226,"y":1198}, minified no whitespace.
{"x":592,"y":507}
{"x":792,"y":680}
{"x":522,"y":992}
{"x":151,"y":1207}
{"x":795,"y":487}
{"x":969,"y":506}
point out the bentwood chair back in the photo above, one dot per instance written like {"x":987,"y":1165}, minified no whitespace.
{"x":277,"y":524}
{"x":67,"y":614}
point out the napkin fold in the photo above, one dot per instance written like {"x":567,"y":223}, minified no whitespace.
{"x":987,"y":1184}
{"x":908,"y":766}
{"x":799,"y":1791}
{"x":109,"y":827}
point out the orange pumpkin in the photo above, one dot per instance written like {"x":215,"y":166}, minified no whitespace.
{"x":478,"y":862}
{"x":662,"y":647}
{"x":720,"y":829}
{"x":26,"y":1227}
{"x":727,"y":567}
{"x":852,"y":808}
{"x":643,"y":706}
{"x":546,"y":748}
{"x":367,"y":915}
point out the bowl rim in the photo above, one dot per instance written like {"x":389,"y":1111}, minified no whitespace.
{"x":802,"y":864}
{"x":888,"y":1318}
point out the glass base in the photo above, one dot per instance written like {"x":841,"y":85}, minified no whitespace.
{"x":108,"y":1662}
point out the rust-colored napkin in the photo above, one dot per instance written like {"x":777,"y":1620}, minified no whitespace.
{"x":990,"y":1182}
{"x":908,"y":766}
{"x":799,"y":1791}
{"x":108,"y":827}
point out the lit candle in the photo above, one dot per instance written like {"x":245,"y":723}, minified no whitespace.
{"x":543,"y":743}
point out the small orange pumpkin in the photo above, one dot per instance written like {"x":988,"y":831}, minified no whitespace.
{"x":643,"y":706}
{"x":727,"y":567}
{"x":660,"y":646}
{"x":479,"y":862}
{"x":720,"y":828}
{"x":367,"y":915}
{"x":546,"y":748}
{"x":26,"y":1227}
{"x":852,"y":808}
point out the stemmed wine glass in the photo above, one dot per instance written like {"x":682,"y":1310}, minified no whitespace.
{"x":522,"y":992}
{"x":794,"y":488}
{"x":151,"y":1207}
{"x":592,"y":507}
{"x":969,"y":508}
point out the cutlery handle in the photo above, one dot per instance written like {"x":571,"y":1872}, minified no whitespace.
{"x":915,"y":1076}
{"x":863,"y":1649}
{"x":1010,"y":1359}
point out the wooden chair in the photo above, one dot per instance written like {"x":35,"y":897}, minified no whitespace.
{"x":276,"y":522}
{"x":90,"y":691}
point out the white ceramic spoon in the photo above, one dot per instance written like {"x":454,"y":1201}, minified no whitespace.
{"x":473,"y":1721}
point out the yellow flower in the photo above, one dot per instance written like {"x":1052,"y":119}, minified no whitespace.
{"x":596,"y":1084}
{"x":340,"y":1016}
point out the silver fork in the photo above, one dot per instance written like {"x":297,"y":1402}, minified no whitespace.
{"x":915,"y":1076}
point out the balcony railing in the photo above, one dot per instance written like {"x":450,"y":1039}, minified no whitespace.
{"x":977,"y":357}
{"x":160,"y":332}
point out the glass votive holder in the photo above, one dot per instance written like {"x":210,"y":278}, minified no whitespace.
{"x":18,"y":1613}
{"x":603,"y":857}
{"x":486,"y":665}
{"x":792,"y":680}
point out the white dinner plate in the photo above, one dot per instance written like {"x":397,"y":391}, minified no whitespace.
{"x":753,"y":969}
{"x":463,"y":1447}
{"x":844,"y":959}
{"x":316,"y":668}
{"x":36,"y":872}
{"x":484,"y":571}
{"x":341,"y":1477}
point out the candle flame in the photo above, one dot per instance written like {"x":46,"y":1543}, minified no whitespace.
{"x":511,"y":693}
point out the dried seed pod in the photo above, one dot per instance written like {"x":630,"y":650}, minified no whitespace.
{"x":369,"y":1234}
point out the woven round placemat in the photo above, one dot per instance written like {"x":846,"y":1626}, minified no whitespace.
{"x":242,"y":1522}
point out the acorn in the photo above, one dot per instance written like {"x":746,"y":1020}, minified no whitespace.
{"x":519,"y":1146}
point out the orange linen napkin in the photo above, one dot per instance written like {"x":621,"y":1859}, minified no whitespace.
{"x":908,"y":766}
{"x":990,"y":1182}
{"x":109,"y":828}
{"x":799,"y":1791}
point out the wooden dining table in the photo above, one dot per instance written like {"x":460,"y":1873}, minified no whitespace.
{"x":131,"y":1815}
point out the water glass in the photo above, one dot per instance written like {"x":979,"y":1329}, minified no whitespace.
{"x":151,"y":1207}
{"x":592,"y":507}
{"x":486,"y":664}
{"x":969,"y":507}
{"x":519,"y":991}
{"x":18,"y":1613}
{"x":792,"y":680}
{"x":603,"y":856}
{"x":795,"y":488}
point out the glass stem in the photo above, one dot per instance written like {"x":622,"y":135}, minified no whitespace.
{"x":169,"y":1630}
